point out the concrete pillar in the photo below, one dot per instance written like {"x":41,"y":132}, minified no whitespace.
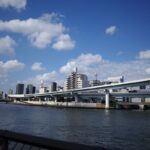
{"x":143,"y":100}
{"x":15,"y":100}
{"x":141,"y":106}
{"x":107,"y":99}
{"x":76,"y":98}
{"x":39,"y":99}
{"x":118,"y":106}
{"x":55,"y":98}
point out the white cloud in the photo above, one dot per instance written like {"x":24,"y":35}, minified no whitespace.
{"x":37,"y":66}
{"x":46,"y":77}
{"x":18,"y":4}
{"x":147,"y":70}
{"x":41,"y":31}
{"x":10,"y":66}
{"x":144,"y":54}
{"x":83,"y":62}
{"x":7,"y":45}
{"x":90,"y":64}
{"x":111,"y":30}
{"x":119,"y":53}
{"x":64,"y":42}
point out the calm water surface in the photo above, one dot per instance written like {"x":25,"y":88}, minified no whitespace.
{"x":116,"y":129}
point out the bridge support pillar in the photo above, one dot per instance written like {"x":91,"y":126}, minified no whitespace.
{"x":15,"y":100}
{"x":118,"y":106}
{"x":141,"y":106}
{"x":55,"y":98}
{"x":76,"y":98}
{"x":143,"y":100}
{"x":39,"y":99}
{"x":107,"y":99}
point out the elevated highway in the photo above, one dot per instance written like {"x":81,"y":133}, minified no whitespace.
{"x":88,"y":91}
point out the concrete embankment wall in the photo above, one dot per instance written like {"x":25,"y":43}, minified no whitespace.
{"x":138,"y":100}
{"x":62,"y":104}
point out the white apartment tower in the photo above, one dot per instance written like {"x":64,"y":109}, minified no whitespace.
{"x":76,"y":81}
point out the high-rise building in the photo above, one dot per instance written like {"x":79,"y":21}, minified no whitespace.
{"x":34,"y":89}
{"x":82,"y":81}
{"x":71,"y":82}
{"x":76,"y":81}
{"x":19,"y":88}
{"x":30,"y":89}
{"x":53,"y":86}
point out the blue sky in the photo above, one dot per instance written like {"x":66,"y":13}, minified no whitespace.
{"x":46,"y":40}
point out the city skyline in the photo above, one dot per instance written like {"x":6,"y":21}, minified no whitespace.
{"x":47,"y":40}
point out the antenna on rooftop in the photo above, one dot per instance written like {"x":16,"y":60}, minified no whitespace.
{"x":76,"y":69}
{"x":96,"y":76}
{"x":42,"y":84}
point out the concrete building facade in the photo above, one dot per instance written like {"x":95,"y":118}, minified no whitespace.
{"x":76,"y":81}
{"x":30,"y":89}
{"x":53,"y":86}
{"x":20,"y":88}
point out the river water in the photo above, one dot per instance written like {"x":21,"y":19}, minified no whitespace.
{"x":115,"y":129}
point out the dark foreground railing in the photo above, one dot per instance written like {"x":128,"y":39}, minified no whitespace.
{"x":12,"y":140}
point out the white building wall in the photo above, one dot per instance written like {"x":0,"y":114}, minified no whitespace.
{"x":147,"y":100}
{"x":79,"y":81}
{"x":42,"y":90}
{"x":65,"y":86}
{"x":82,"y":81}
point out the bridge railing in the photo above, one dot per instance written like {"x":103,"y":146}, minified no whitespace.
{"x":9,"y":137}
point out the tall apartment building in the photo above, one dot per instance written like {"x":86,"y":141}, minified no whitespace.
{"x":82,"y":81}
{"x":53,"y":86}
{"x":19,"y":88}
{"x":76,"y":81}
{"x":30,"y":89}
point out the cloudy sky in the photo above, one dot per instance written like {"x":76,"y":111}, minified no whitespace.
{"x":46,"y":40}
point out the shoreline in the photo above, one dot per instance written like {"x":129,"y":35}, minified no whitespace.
{"x":80,"y":105}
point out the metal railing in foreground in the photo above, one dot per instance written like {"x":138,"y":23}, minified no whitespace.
{"x":12,"y":140}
